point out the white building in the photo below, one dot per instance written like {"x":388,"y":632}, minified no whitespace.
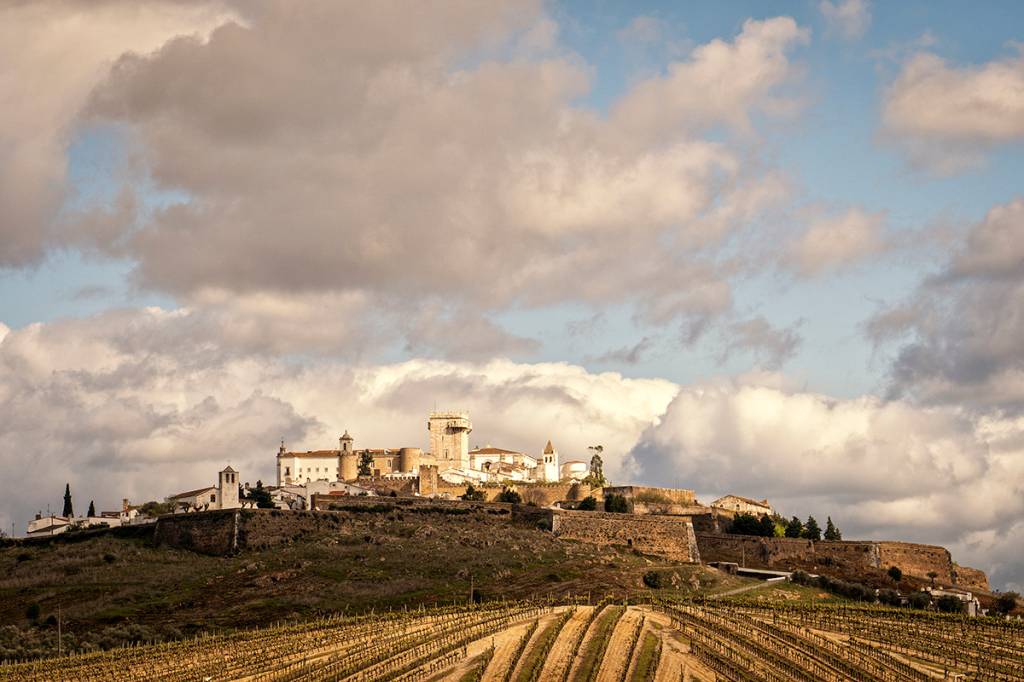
{"x":743,"y":505}
{"x":296,"y":468}
{"x":574,"y":470}
{"x":479,"y":458}
{"x":222,"y":496}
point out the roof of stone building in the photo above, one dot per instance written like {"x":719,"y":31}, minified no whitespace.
{"x":345,"y":436}
{"x":192,"y":493}
{"x":310,"y":453}
{"x":488,"y":450}
{"x":229,"y":470}
{"x":759,"y":503}
{"x":548,"y":449}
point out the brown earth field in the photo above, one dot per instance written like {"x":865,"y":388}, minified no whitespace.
{"x":116,"y":587}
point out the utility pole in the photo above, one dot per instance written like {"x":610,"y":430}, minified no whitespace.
{"x":60,"y":635}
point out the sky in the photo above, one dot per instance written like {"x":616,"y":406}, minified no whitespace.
{"x":769,"y":249}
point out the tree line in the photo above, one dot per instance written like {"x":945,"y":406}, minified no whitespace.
{"x":776,"y":526}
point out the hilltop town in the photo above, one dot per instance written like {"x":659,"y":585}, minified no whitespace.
{"x":565,"y":496}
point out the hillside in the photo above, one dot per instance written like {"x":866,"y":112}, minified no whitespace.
{"x":117,"y":587}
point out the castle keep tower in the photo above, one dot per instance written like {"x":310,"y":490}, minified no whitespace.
{"x":449,"y":439}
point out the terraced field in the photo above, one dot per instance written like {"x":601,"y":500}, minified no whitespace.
{"x":525,"y":642}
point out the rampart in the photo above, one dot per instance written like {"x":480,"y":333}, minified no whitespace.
{"x":913,"y":559}
{"x":224,"y":532}
{"x":918,"y":560}
{"x":539,"y":494}
{"x":668,"y":536}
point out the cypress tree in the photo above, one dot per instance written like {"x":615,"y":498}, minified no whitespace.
{"x":68,"y":510}
{"x":812,"y":531}
{"x":92,"y":509}
{"x":831,"y":532}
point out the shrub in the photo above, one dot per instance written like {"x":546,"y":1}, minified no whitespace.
{"x":588,"y":503}
{"x":800,"y":578}
{"x":616,"y":504}
{"x":947,"y":603}
{"x":895,"y":573}
{"x":110,"y":558}
{"x":889,"y":597}
{"x":32,"y":612}
{"x":24,"y":556}
{"x":510,"y":496}
{"x":919,"y":600}
{"x":1007,"y":602}
{"x":652,"y":579}
{"x":472,"y":493}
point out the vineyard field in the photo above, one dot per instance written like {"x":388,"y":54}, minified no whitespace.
{"x":573,"y":642}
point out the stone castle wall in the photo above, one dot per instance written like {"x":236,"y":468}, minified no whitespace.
{"x":759,"y":552}
{"x":540,"y":494}
{"x":668,"y":536}
{"x":212,"y":532}
{"x":913,"y":559}
{"x":650,"y":496}
{"x":918,"y":560}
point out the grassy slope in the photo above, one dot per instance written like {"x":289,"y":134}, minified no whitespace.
{"x":114,"y":590}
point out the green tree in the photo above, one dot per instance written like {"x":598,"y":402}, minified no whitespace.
{"x":472,"y":494}
{"x":154,"y":508}
{"x":745,"y":524}
{"x":68,"y":509}
{"x":262,"y":496}
{"x":616,"y":503}
{"x":366,"y":463}
{"x":811,"y":529}
{"x":947,"y":603}
{"x":767,"y":527}
{"x":932,"y":575}
{"x":1007,"y":602}
{"x":831,"y":532}
{"x":895,"y":573}
{"x":92,"y":509}
{"x":919,"y":600}
{"x":652,"y":579}
{"x":795,"y":528}
{"x":588,"y":503}
{"x":510,"y":496}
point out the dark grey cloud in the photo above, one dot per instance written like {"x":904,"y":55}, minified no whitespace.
{"x":959,"y":334}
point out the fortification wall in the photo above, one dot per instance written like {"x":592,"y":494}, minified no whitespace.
{"x":540,"y":494}
{"x":655,"y":497}
{"x":971,"y":578}
{"x":918,"y":560}
{"x":212,"y":532}
{"x":785,"y":552}
{"x":669,"y":536}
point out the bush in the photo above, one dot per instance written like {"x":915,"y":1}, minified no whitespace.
{"x":24,"y":556}
{"x":889,"y":597}
{"x":616,"y":504}
{"x":895,"y":573}
{"x":919,"y":600}
{"x":801,"y":577}
{"x":32,"y":612}
{"x":472,"y":494}
{"x":110,"y":558}
{"x":1007,"y":602}
{"x":588,"y":503}
{"x":510,"y":496}
{"x":748,"y":524}
{"x":652,"y":579}
{"x":947,"y":603}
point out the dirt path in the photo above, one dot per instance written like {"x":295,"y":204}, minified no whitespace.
{"x":563,"y":652}
{"x":617,"y":657}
